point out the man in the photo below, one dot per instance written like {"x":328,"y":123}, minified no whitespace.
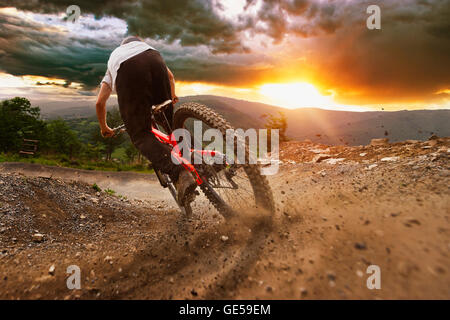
{"x":138,"y":74}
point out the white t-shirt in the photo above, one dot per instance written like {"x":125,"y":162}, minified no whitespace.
{"x":119,"y":55}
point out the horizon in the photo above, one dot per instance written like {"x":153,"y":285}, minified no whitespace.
{"x":52,"y":107}
{"x":277,"y":53}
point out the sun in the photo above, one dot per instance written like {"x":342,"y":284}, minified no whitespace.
{"x":295,"y":95}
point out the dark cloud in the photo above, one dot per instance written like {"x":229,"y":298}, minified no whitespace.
{"x":406,"y":60}
{"x":408,"y":57}
{"x":192,"y":22}
{"x":29,"y":49}
{"x":192,"y":69}
{"x":316,"y":17}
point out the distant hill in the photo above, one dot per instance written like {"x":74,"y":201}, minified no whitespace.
{"x":336,"y":127}
{"x":318,"y":125}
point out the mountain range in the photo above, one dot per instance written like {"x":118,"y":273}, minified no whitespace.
{"x":318,"y":125}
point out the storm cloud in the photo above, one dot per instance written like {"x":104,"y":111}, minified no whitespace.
{"x":407,"y":58}
{"x":31,"y":49}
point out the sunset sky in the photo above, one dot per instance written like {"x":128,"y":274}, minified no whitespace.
{"x":290,"y":53}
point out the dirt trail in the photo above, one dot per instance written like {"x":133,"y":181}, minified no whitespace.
{"x":332,"y":222}
{"x":129,"y":184}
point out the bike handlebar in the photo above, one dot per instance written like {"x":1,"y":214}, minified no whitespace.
{"x":159,"y":107}
{"x":119,"y":128}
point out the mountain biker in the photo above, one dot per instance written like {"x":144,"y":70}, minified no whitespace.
{"x":141,"y":79}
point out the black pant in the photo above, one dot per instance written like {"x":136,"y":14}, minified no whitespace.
{"x":143,"y":81}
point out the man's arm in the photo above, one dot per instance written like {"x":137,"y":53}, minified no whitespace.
{"x":172,"y":86}
{"x":105,"y":92}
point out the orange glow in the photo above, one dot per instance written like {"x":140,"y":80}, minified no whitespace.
{"x":10,"y":81}
{"x":443,"y":91}
{"x":295,"y":95}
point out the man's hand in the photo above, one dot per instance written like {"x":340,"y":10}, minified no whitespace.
{"x":172,"y":86}
{"x":103,"y":95}
{"x":107,"y":132}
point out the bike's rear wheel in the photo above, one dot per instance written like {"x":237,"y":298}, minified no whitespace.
{"x":234,"y":188}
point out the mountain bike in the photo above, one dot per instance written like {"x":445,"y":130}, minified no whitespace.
{"x":230,"y":188}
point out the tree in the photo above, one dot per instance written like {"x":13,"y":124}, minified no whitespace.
{"x":92,"y":152}
{"x":277,"y":122}
{"x":60,"y":139}
{"x":131,"y":152}
{"x":110,"y":144}
{"x":18,"y":120}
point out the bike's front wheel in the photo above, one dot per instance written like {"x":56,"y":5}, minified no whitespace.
{"x":230,"y":188}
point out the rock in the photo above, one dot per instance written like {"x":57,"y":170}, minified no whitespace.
{"x":334,"y":160}
{"x":360,"y":246}
{"x":43,"y":278}
{"x":379,"y":142}
{"x":51,"y":270}
{"x":363,"y":154}
{"x":433,"y":137}
{"x":320,"y":157}
{"x":412,"y":141}
{"x":38,"y":237}
{"x":331,"y":275}
{"x":390,"y":159}
{"x":108,"y":259}
{"x":194,"y":293}
{"x":317,"y":151}
{"x":322,"y":173}
{"x":409,"y":222}
{"x":370,"y":167}
{"x":224,"y":238}
{"x":303,"y":292}
{"x":431,"y":143}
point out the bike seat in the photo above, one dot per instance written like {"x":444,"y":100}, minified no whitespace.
{"x":161,"y":106}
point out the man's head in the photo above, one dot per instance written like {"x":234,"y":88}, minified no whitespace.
{"x":130,"y":39}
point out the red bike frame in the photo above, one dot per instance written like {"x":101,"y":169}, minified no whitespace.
{"x":177,"y":154}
